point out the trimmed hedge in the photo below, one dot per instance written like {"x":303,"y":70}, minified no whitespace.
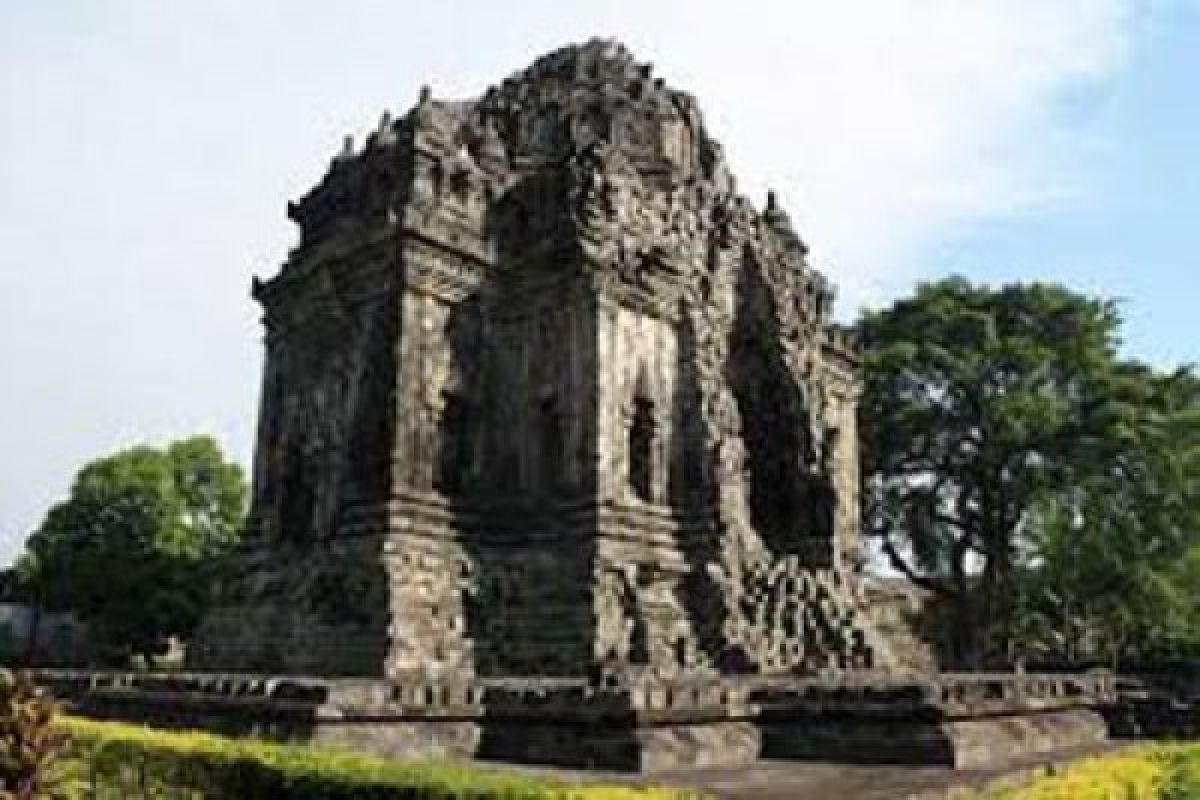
{"x":115,"y":757}
{"x":119,"y":760}
{"x":1153,"y":772}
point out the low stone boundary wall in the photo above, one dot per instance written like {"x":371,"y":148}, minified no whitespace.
{"x":960,"y":720}
{"x":645,"y":727}
{"x":426,"y":720}
{"x":641,"y":724}
{"x":1155,"y":707}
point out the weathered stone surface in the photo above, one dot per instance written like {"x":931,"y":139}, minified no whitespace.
{"x":648,"y":724}
{"x":422,"y":721}
{"x":1156,"y":706}
{"x":545,"y":395}
{"x":964,"y":721}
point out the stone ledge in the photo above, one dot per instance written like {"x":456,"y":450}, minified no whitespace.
{"x":641,"y":723}
{"x":961,"y":744}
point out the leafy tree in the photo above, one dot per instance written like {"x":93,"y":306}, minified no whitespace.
{"x":978,"y":403}
{"x":1118,"y":573}
{"x":133,"y":548}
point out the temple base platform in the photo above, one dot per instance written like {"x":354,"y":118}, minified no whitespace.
{"x":644,"y":725}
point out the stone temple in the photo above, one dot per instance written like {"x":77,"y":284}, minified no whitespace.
{"x":557,"y":462}
{"x":544,"y":395}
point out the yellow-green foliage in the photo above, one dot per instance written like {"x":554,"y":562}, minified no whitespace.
{"x":1185,"y":781}
{"x":31,"y":746}
{"x":120,"y":755}
{"x":1155,"y":772}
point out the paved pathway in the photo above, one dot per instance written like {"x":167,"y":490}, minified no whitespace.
{"x":790,"y":780}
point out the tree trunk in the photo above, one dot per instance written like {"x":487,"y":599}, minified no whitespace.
{"x":965,"y":626}
{"x":35,"y":623}
{"x":966,"y":642}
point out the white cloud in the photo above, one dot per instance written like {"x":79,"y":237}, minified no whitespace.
{"x":148,"y":150}
{"x":887,"y":124}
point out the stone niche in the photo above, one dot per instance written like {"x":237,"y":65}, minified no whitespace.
{"x":557,"y":457}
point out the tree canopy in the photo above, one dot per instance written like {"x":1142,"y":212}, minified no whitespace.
{"x":1002,"y":435}
{"x":1117,"y":575}
{"x":133,"y":548}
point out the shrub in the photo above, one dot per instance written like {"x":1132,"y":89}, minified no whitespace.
{"x":31,"y":746}
{"x":1154,"y":772}
{"x":1184,"y":783}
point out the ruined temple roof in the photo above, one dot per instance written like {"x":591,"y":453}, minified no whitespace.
{"x":582,"y":162}
{"x":586,"y":95}
{"x":587,"y":134}
{"x":598,"y":61}
{"x":579,"y":96}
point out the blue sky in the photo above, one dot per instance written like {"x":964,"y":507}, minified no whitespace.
{"x":1130,"y":233}
{"x":148,"y":149}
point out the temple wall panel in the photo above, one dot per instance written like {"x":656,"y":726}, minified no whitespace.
{"x":638,"y":365}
